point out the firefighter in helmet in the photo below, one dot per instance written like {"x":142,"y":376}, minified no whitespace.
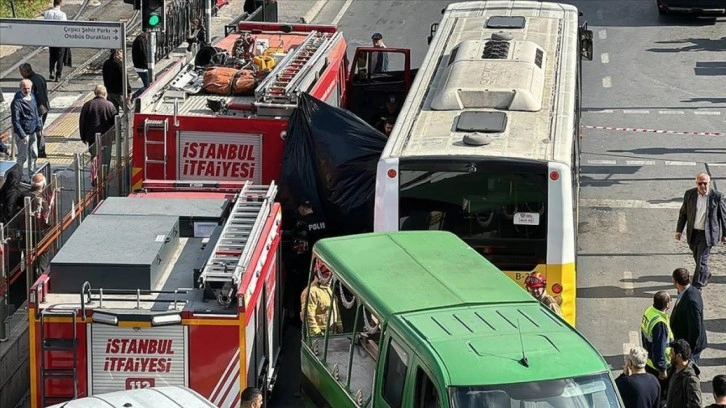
{"x":320,"y":298}
{"x":536,"y":284}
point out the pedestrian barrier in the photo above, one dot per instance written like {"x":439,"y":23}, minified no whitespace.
{"x":30,"y":239}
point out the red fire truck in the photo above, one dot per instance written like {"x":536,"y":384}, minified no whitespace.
{"x":169,"y":287}
{"x":182,"y":133}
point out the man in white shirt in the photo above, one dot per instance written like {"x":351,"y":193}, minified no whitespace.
{"x":704,"y":211}
{"x":56,"y":54}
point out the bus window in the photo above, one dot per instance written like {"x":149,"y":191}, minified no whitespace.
{"x":339,"y":332}
{"x":365,"y":355}
{"x":394,"y":376}
{"x":426,"y":394}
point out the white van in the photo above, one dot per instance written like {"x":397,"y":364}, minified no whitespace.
{"x":155,"y":397}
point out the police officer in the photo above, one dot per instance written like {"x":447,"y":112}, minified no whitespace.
{"x":320,"y":300}
{"x":536,"y":284}
{"x":656,"y":334}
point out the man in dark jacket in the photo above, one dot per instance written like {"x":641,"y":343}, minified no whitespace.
{"x":113,"y":78}
{"x":40,"y":91}
{"x":719,"y":391}
{"x":139,"y":56}
{"x":704,"y":211}
{"x":26,"y":125}
{"x":97,"y":116}
{"x":684,"y":387}
{"x":687,"y":315}
{"x":638,"y":388}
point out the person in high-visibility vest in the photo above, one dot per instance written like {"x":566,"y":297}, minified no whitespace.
{"x":656,"y":335}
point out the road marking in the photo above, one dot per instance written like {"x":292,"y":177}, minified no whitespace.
{"x":58,"y":107}
{"x":636,"y":111}
{"x":639,"y":162}
{"x":717,"y":164}
{"x":629,"y":287}
{"x":604,"y":58}
{"x":671,"y":112}
{"x":678,"y":163}
{"x":601,"y":111}
{"x":612,"y":203}
{"x":622,"y":223}
{"x":607,"y":82}
{"x":341,"y":13}
{"x":706,"y":112}
{"x":659,"y":131}
{"x":603,"y":34}
{"x":601,"y":162}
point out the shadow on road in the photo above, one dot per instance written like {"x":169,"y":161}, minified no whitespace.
{"x":697,"y":44}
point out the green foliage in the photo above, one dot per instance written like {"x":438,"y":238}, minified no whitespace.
{"x":24,"y":8}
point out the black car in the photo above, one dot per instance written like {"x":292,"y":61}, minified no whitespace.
{"x":691,"y":6}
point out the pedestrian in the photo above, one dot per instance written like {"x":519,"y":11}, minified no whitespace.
{"x":251,"y":398}
{"x":113,"y":78}
{"x":320,"y":299}
{"x":536,"y":284}
{"x":40,"y":207}
{"x":687,"y":316}
{"x":139,"y":56}
{"x":57,"y":54}
{"x":719,"y":391}
{"x":26,"y":125}
{"x":379,"y":60}
{"x":97,"y":116}
{"x":197,"y":35}
{"x":11,"y":196}
{"x":388,"y":125}
{"x":704,"y":211}
{"x":655,"y":334}
{"x":684,"y":387}
{"x":40,"y":91}
{"x":389,"y":109}
{"x":638,"y":388}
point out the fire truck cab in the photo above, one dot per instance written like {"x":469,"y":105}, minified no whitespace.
{"x":183,"y":133}
{"x":174,"y":286}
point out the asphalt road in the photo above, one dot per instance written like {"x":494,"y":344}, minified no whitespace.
{"x":662,"y":78}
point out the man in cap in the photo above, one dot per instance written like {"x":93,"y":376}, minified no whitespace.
{"x":389,"y":109}
{"x":379,"y":60}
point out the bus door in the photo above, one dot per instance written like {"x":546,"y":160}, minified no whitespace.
{"x":375,"y":74}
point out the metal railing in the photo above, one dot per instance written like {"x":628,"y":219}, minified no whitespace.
{"x":34,"y":235}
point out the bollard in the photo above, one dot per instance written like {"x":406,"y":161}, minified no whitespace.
{"x":57,"y":195}
{"x":79,"y":187}
{"x":3,"y":284}
{"x":119,"y":160}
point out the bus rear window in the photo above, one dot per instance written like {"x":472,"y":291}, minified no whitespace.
{"x":500,"y":211}
{"x":583,"y":392}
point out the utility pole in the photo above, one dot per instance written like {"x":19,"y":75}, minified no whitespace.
{"x":208,"y":21}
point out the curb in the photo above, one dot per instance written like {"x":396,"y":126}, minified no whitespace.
{"x":313,"y":11}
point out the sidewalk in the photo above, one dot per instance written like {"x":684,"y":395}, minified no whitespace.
{"x":62,"y":138}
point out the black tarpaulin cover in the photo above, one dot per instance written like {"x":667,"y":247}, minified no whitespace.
{"x":330,"y":160}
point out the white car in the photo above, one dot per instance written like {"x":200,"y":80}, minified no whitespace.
{"x":155,"y":397}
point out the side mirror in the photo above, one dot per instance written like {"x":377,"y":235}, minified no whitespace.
{"x":586,"y":45}
{"x":432,"y":31}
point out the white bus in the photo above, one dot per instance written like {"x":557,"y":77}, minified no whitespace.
{"x":487,"y":142}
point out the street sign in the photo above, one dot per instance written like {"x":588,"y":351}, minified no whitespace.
{"x":62,"y":34}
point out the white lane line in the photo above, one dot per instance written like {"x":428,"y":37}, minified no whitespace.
{"x":341,"y":13}
{"x":603,"y":34}
{"x":636,"y":111}
{"x":601,"y":162}
{"x":601,"y":111}
{"x":717,"y":164}
{"x":628,"y":284}
{"x":707,"y":112}
{"x":639,"y":162}
{"x":612,"y":203}
{"x":622,"y":223}
{"x":671,"y":112}
{"x":604,"y":58}
{"x":607,"y":82}
{"x":678,"y":163}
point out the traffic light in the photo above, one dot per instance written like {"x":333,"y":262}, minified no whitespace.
{"x":136,"y":3}
{"x":152,"y":12}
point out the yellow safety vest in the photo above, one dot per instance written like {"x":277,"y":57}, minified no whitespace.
{"x":652,"y":317}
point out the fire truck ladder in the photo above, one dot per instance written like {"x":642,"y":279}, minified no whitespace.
{"x":283,"y":81}
{"x":49,"y":346}
{"x":151,"y":124}
{"x":231,"y":255}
